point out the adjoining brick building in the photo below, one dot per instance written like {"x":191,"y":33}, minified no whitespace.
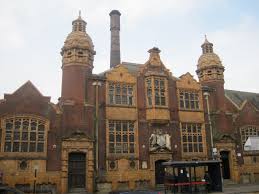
{"x":117,"y":127}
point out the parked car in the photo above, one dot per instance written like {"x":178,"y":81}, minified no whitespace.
{"x":9,"y":190}
{"x":135,"y":192}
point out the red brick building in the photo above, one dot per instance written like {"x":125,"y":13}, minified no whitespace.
{"x":113,"y":130}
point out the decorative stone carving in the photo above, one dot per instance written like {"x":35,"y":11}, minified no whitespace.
{"x":159,"y":141}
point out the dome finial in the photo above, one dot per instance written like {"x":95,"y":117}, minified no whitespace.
{"x":79,"y":24}
{"x":207,"y":47}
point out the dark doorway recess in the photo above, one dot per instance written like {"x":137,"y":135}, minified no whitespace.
{"x":160,"y":171}
{"x":225,"y":164}
{"x":76,"y":170}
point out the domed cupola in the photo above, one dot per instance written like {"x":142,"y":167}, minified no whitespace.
{"x":78,"y":48}
{"x":209,"y":64}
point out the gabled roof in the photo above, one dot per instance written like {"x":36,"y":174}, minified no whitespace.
{"x":27,"y":84}
{"x":133,"y":68}
{"x":239,"y":98}
{"x":27,"y":89}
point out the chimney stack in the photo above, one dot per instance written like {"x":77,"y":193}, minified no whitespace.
{"x":115,"y":57}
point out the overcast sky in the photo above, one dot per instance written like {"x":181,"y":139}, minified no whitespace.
{"x":32,"y":33}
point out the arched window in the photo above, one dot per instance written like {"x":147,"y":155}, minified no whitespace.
{"x":24,"y":134}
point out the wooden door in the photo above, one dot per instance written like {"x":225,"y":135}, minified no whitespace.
{"x":76,"y":170}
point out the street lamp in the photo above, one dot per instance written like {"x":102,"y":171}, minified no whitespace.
{"x":206,"y":95}
{"x":36,"y":168}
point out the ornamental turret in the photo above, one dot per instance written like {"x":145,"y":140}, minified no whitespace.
{"x":77,"y":63}
{"x":209,"y":66}
{"x":78,"y":48}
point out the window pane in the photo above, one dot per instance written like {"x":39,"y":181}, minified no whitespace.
{"x":190,"y":147}
{"x":131,"y":148}
{"x":16,"y":135}
{"x":118,"y":148}
{"x":131,"y":126}
{"x":195,"y":147}
{"x":9,"y":126}
{"x":24,"y":147}
{"x":33,"y":136}
{"x":194,"y":138}
{"x":131,"y":138}
{"x":7,"y":147}
{"x":33,"y":125}
{"x":111,"y":147}
{"x":124,"y":100}
{"x":25,"y":125}
{"x":16,"y":146}
{"x":41,"y":136}
{"x":8,"y":135}
{"x":118,"y":126}
{"x":125,"y":126}
{"x":163,"y":101}
{"x":125,"y":138}
{"x":17,"y":125}
{"x":32,"y":147}
{"x":130,"y":100}
{"x":200,"y":148}
{"x":41,"y":128}
{"x":111,"y":138}
{"x":181,"y":104}
{"x":25,"y":136}
{"x":40,"y":147}
{"x":125,"y":148}
{"x":185,"y":147}
{"x":118,"y":138}
{"x":199,"y":138}
{"x":111,"y":126}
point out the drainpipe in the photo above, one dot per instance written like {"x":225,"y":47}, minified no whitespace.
{"x":206,"y":95}
{"x":97,"y":84}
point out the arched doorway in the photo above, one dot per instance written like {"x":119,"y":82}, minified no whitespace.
{"x":76,"y":170}
{"x":159,"y":171}
{"x":225,"y":164}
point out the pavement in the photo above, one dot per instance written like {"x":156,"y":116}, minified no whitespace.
{"x":240,"y":189}
{"x":233,"y":189}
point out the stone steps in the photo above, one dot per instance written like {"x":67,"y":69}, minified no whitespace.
{"x":78,"y":191}
{"x":228,"y":182}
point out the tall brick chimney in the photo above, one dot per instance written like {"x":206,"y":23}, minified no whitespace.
{"x":115,"y":57}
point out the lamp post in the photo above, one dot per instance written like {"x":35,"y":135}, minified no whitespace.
{"x":97,"y":84}
{"x":36,"y":167}
{"x":206,"y":95}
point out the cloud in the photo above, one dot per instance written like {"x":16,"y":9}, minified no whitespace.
{"x":238,"y":47}
{"x":33,"y":32}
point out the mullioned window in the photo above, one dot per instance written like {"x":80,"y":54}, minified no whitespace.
{"x":24,"y":134}
{"x":121,"y":137}
{"x":191,"y":137}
